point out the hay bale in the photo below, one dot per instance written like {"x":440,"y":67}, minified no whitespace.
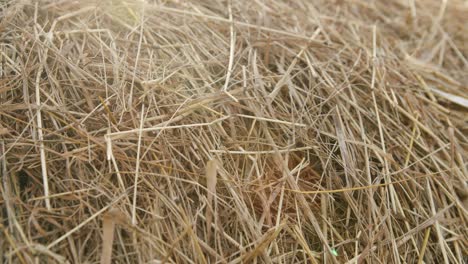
{"x":233,"y":131}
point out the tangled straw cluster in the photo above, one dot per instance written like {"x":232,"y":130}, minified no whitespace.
{"x":233,"y":131}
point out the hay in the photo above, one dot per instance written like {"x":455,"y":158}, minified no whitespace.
{"x":233,"y":132}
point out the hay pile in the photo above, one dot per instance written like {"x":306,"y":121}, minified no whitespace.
{"x":233,"y":132}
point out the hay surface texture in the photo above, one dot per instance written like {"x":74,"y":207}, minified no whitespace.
{"x":233,"y":132}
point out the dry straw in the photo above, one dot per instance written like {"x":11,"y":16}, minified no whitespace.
{"x":233,"y":131}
